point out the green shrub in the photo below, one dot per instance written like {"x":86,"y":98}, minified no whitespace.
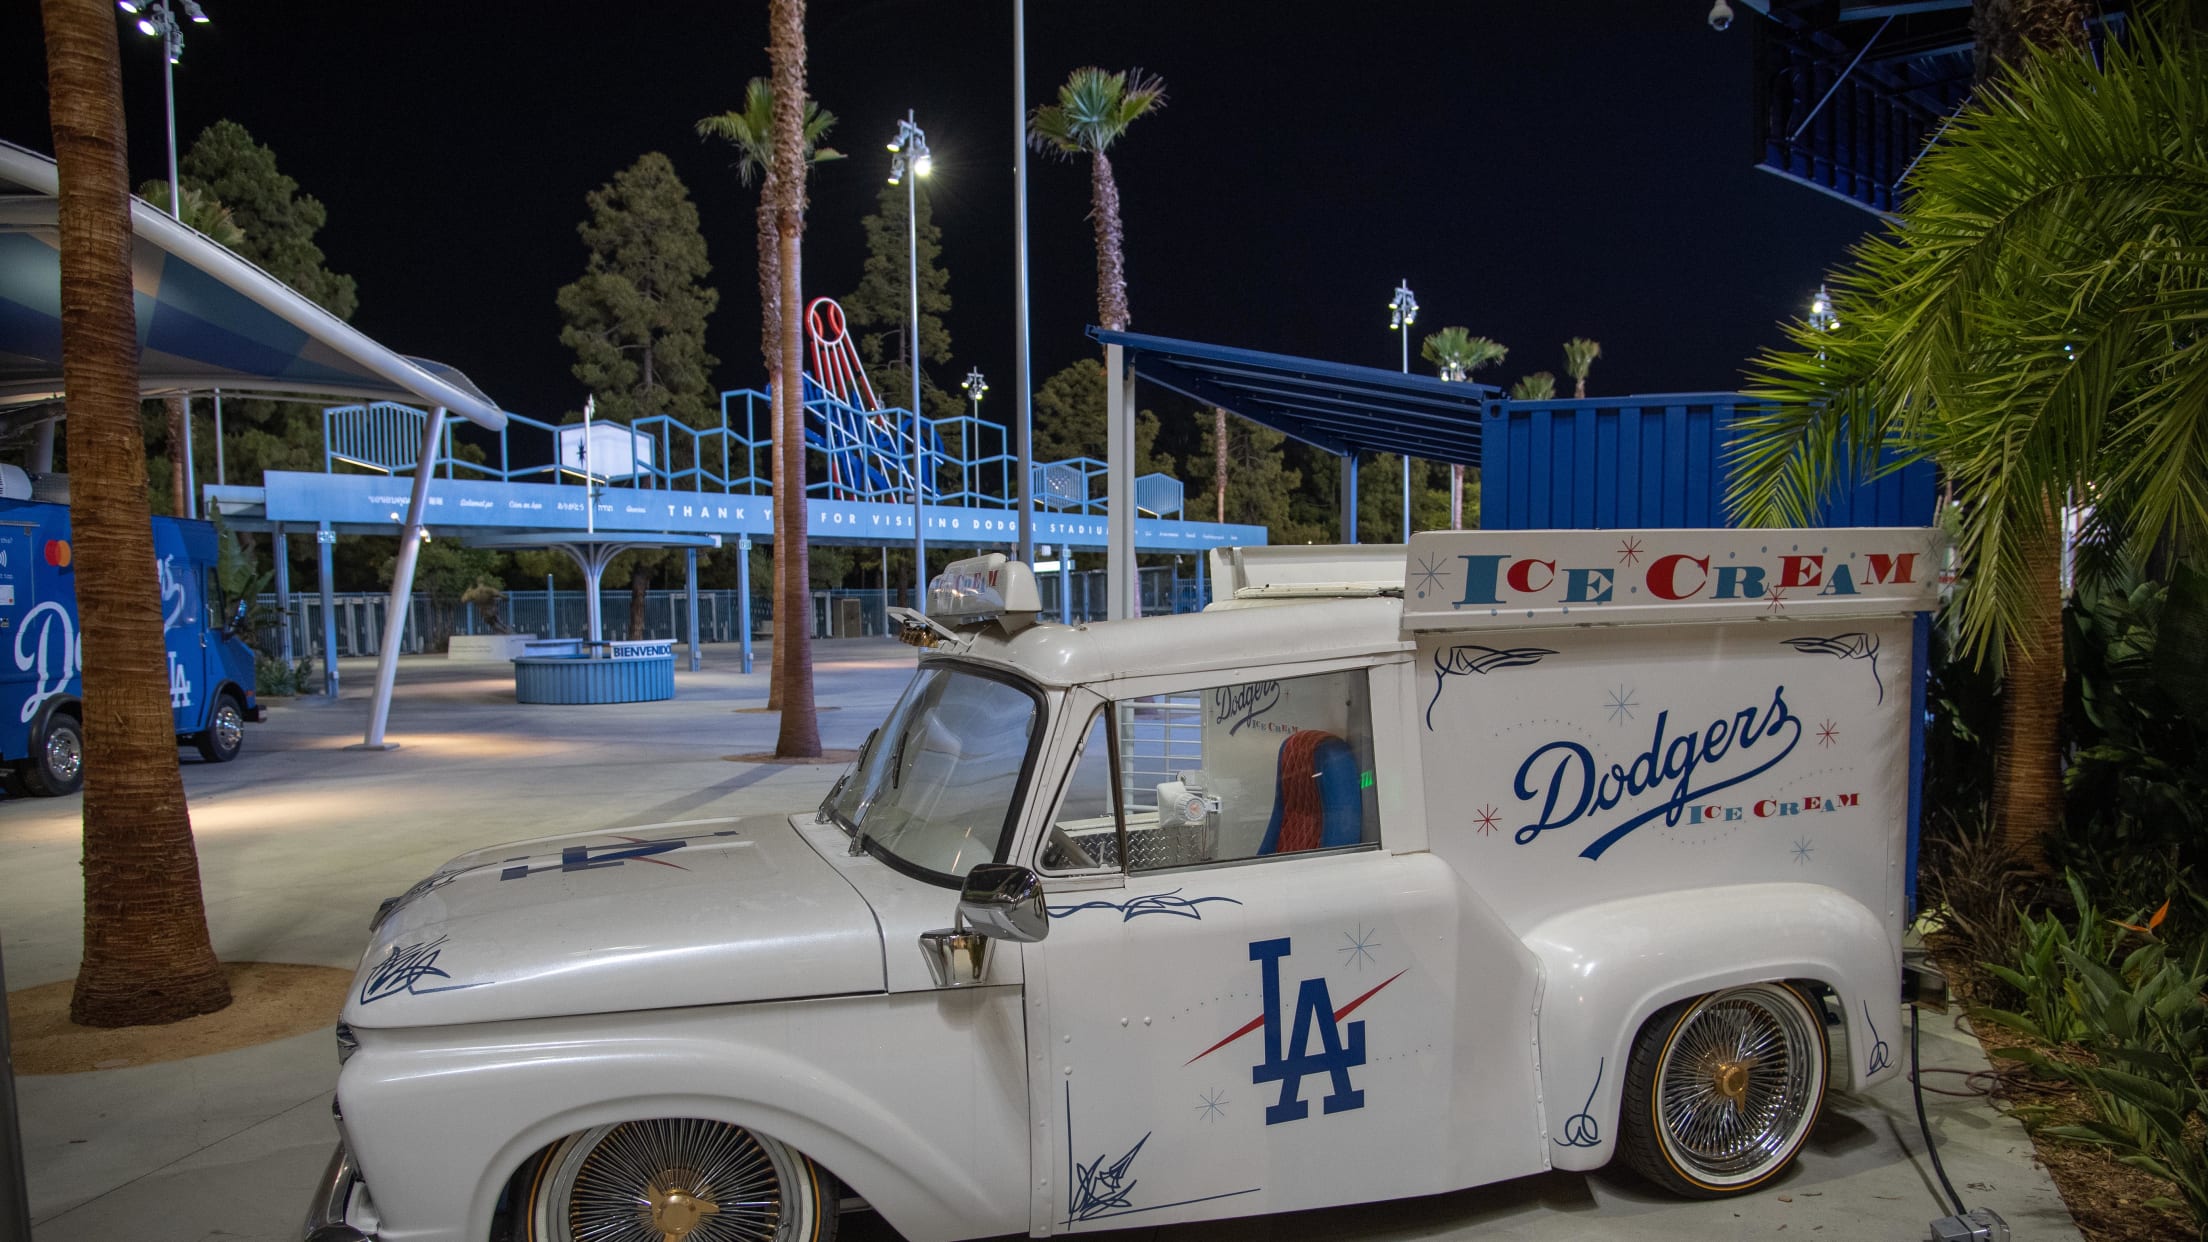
{"x":2043,"y":971}
{"x":272,"y":676}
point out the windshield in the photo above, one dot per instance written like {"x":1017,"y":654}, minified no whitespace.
{"x":936,"y":787}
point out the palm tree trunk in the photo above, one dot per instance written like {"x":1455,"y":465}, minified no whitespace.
{"x":640,"y":583}
{"x":1456,"y":497}
{"x":175,"y":409}
{"x":147,"y":955}
{"x":1579,"y":388}
{"x":2027,"y":784}
{"x":1219,"y":457}
{"x":2027,"y":780}
{"x":770,"y":348}
{"x":1111,"y":266}
{"x":800,"y":733}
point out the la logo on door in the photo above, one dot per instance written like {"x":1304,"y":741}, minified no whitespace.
{"x":1290,"y":1064}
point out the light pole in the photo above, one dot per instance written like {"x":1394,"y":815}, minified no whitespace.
{"x":1023,"y":432}
{"x":909,"y":154}
{"x":974,"y":386}
{"x":1821,"y":315}
{"x":1402,"y":313}
{"x":157,"y":20}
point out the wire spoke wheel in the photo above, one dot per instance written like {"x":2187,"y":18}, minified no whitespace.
{"x":1728,"y":1089}
{"x":676,"y":1180}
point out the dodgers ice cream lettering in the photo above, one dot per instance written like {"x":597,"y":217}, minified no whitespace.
{"x":1565,"y":783}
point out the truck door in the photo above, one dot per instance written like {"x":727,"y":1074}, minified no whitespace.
{"x":1271,"y":1012}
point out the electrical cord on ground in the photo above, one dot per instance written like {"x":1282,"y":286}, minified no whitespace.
{"x":1916,"y":1091}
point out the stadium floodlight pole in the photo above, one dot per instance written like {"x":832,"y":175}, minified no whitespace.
{"x":1402,"y":313}
{"x":909,"y":154}
{"x":157,"y":20}
{"x":974,"y":386}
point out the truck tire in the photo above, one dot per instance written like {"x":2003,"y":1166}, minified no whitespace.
{"x":641,"y":1181}
{"x":56,"y":765}
{"x":1722,"y":1090}
{"x":224,"y":735}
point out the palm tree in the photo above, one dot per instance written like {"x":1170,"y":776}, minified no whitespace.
{"x":793,"y":647}
{"x":147,"y":956}
{"x":1456,"y":353}
{"x":2030,"y":323}
{"x":751,"y":132}
{"x":1219,"y":458}
{"x":1094,"y":108}
{"x":1579,"y":358}
{"x":1539,"y":386}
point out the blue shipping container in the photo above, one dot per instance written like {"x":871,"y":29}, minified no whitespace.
{"x":1608,"y":463}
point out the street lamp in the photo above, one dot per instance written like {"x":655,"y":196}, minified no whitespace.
{"x":157,"y":20}
{"x":909,"y":154}
{"x":1821,"y":314}
{"x":1402,"y":313}
{"x":975,"y":386}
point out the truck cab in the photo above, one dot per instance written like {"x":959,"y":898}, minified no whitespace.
{"x":1394,"y":872}
{"x":210,"y":669}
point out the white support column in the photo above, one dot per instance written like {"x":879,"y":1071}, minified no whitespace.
{"x":402,"y":586}
{"x":1121,"y":582}
{"x":325,"y":545}
{"x":283,"y":596}
{"x":690,"y":587}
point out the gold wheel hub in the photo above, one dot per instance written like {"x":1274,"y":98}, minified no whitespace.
{"x":1731,"y":1080}
{"x":677,"y":1211}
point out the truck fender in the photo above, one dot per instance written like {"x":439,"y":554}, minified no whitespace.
{"x":1609,"y":967}
{"x":499,"y":1103}
{"x":59,"y":703}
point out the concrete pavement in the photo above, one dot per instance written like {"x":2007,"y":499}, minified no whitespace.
{"x":301,"y":838}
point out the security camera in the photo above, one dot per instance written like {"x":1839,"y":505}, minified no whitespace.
{"x":1721,"y":15}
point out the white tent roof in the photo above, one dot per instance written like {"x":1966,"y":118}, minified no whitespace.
{"x":206,"y":317}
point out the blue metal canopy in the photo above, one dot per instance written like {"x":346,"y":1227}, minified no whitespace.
{"x":1333,"y":406}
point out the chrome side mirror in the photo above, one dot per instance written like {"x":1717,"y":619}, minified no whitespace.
{"x":996,"y":903}
{"x":1004,"y":903}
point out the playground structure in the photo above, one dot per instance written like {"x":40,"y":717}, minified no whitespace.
{"x":875,"y":476}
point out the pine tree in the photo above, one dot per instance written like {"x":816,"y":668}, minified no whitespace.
{"x":879,"y":311}
{"x":636,"y":318}
{"x":1069,"y":419}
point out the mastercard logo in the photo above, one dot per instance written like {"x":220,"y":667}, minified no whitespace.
{"x":58,"y":553}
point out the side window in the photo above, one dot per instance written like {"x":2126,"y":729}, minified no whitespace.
{"x":1084,"y":834}
{"x":1226,"y":773}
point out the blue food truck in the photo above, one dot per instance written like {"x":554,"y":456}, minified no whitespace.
{"x":41,"y":682}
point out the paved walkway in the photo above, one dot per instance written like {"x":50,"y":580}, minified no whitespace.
{"x":300,"y":838}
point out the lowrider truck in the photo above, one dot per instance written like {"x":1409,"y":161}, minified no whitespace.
{"x":1395,"y":871}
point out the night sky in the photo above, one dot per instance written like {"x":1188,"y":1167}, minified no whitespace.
{"x":1536,"y":170}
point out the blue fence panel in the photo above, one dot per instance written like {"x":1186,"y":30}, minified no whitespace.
{"x":1656,"y":461}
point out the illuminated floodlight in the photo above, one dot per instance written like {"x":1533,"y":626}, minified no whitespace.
{"x":1403,"y":311}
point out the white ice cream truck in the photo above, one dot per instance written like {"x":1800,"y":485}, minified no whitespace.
{"x":1394,"y":872}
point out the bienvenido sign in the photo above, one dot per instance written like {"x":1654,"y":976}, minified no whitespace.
{"x":1597,"y":578}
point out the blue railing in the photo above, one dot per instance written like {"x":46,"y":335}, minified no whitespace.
{"x":851,"y":454}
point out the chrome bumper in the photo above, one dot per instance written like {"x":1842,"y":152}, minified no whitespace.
{"x":333,"y":1196}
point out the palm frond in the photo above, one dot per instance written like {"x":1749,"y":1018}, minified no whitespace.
{"x":2035,"y":320}
{"x":751,"y":131}
{"x":1094,"y":108}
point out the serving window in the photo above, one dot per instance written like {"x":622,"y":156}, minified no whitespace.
{"x":1225,"y":773}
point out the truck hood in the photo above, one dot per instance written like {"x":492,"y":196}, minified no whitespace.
{"x":708,"y":912}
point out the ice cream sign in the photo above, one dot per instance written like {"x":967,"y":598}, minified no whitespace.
{"x":1598,"y":577}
